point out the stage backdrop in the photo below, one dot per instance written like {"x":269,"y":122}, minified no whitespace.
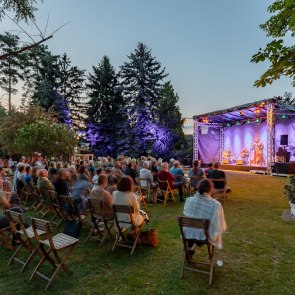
{"x":209,"y":144}
{"x":286,"y":127}
{"x":238,"y":137}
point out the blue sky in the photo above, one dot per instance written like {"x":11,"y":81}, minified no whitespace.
{"x":205,"y":46}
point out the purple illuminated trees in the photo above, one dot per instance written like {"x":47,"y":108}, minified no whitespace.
{"x":142,"y":78}
{"x":107,"y":122}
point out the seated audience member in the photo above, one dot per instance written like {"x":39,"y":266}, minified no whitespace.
{"x":217,"y":174}
{"x":91,"y":168}
{"x":83,"y":174}
{"x":124,"y":196}
{"x":27,"y":176}
{"x":164,"y":174}
{"x":177,"y":171}
{"x":131,"y":171}
{"x":35,"y":174}
{"x":80,"y":189}
{"x":73,"y":175}
{"x":99,"y":193}
{"x":5,"y":184}
{"x":44,"y":185}
{"x":209,"y":169}
{"x":95,"y":177}
{"x":61,"y":185}
{"x":116,"y":171}
{"x":146,"y":175}
{"x":112,"y":183}
{"x":20,"y":178}
{"x":196,"y":174}
{"x":203,"y":206}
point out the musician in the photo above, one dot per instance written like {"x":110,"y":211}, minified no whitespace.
{"x":258,"y":152}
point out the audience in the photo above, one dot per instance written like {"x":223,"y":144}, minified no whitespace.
{"x":196,"y":174}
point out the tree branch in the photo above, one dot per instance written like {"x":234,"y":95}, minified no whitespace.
{"x":7,"y":55}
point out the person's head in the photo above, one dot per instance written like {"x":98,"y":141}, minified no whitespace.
{"x":72,"y":169}
{"x":91,"y":163}
{"x":35,"y":171}
{"x":63,"y":173}
{"x":176,"y":164}
{"x":2,"y":172}
{"x":43,"y":173}
{"x":28,"y":170}
{"x":146,"y":164}
{"x":82,"y":169}
{"x":125,"y":184}
{"x":99,"y":171}
{"x":205,"y":186}
{"x":21,"y":168}
{"x":108,"y":170}
{"x":112,"y":180}
{"x":59,"y":165}
{"x":52,"y":164}
{"x":216,"y":165}
{"x":165,"y":166}
{"x":102,"y":180}
{"x":210,"y":165}
{"x":196,"y":164}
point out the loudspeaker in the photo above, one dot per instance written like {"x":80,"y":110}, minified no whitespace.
{"x":288,"y":156}
{"x":239,"y":162}
{"x":284,"y":139}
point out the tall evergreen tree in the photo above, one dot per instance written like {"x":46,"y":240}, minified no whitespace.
{"x":72,"y":86}
{"x":107,"y":117}
{"x":171,"y":119}
{"x":141,"y":77}
{"x":10,"y":68}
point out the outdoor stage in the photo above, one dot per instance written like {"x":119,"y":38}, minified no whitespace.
{"x":250,"y":137}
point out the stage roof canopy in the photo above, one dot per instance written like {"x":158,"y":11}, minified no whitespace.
{"x":246,"y":113}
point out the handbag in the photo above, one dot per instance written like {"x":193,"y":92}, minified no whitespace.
{"x":149,"y":237}
{"x":73,"y":228}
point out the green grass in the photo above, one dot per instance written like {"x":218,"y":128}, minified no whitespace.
{"x":258,"y":253}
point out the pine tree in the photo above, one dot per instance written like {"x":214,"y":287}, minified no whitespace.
{"x":10,"y":68}
{"x":141,"y":77}
{"x":72,"y":88}
{"x":107,"y":117}
{"x":171,"y":120}
{"x":44,"y":82}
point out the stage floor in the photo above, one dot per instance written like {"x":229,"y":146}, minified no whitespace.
{"x":235,"y":167}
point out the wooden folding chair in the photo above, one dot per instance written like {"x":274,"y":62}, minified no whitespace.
{"x":55,"y":208}
{"x":165,"y":189}
{"x":193,"y":183}
{"x":99,"y":220}
{"x":25,"y":236}
{"x":51,"y":248}
{"x":141,"y":197}
{"x":5,"y":237}
{"x":201,"y":224}
{"x":220,"y":189}
{"x":123,"y":226}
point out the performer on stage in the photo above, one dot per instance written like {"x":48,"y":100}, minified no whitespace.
{"x":245,"y":155}
{"x":258,"y":152}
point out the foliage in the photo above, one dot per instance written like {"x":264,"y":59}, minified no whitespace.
{"x":281,"y":56}
{"x":142,"y":79}
{"x":107,"y":116}
{"x":289,"y":190}
{"x":2,"y":111}
{"x":22,"y":9}
{"x":11,"y":68}
{"x":170,"y":119}
{"x":10,"y":124}
{"x":47,"y":137}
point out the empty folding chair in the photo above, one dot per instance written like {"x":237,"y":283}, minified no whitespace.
{"x":51,"y":248}
{"x":26,"y":236}
{"x":126,"y":226}
{"x":102,"y":224}
{"x":195,"y":265}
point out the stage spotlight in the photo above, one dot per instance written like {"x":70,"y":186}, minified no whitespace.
{"x":242,"y":113}
{"x":238,"y":123}
{"x":257,"y":111}
{"x":248,"y":121}
{"x":257,"y":120}
{"x":284,"y":116}
{"x":227,"y":124}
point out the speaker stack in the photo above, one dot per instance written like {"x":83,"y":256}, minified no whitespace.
{"x":284,"y":139}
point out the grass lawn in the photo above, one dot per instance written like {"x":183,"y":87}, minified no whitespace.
{"x":258,"y":253}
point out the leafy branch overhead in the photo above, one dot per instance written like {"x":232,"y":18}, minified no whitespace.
{"x":281,"y":56}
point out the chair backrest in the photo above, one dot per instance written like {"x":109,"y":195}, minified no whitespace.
{"x":53,"y":197}
{"x":164,"y":185}
{"x":96,"y":207}
{"x":17,"y":218}
{"x":120,"y":211}
{"x":219,"y":183}
{"x":193,"y":223}
{"x":42,"y":225}
{"x":67,"y":203}
{"x":144,"y":182}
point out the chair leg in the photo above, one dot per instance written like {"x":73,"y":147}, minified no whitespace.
{"x":116,"y":241}
{"x":36,"y":250}
{"x":165,"y":198}
{"x":182,"y":264}
{"x":137,"y":237}
{"x":11,"y":260}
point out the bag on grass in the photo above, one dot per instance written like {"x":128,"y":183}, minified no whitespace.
{"x":149,"y":237}
{"x":73,"y":228}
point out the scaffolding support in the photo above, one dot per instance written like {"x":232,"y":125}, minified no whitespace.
{"x":270,"y":120}
{"x":196,"y":140}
